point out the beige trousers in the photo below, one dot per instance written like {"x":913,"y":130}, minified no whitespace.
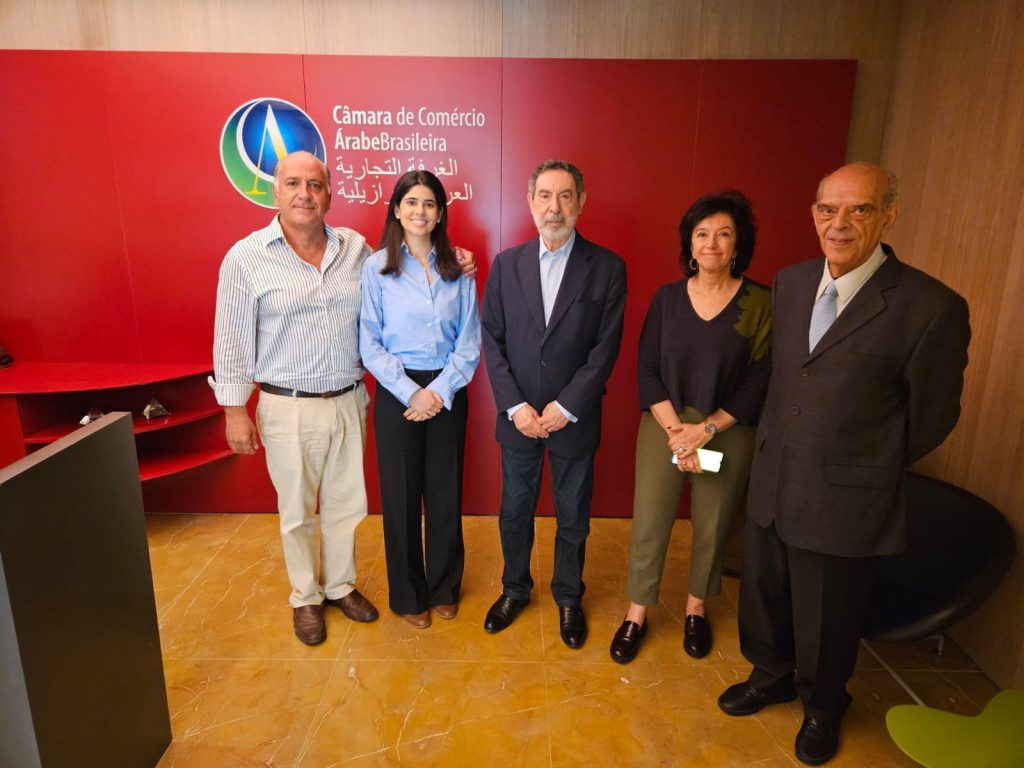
{"x":314,"y":449}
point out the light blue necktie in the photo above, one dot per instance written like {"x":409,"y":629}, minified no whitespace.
{"x":823,"y":316}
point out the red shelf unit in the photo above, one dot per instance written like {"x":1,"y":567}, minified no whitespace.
{"x":41,"y":402}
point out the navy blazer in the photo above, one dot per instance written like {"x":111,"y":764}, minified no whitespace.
{"x":840,"y":425}
{"x":570,"y":359}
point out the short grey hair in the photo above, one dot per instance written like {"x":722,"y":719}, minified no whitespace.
{"x":892,"y":189}
{"x":556,"y":165}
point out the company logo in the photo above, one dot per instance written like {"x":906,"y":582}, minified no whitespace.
{"x":256,"y":136}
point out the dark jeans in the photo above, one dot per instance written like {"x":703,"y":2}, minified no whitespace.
{"x":572,"y":483}
{"x":420,"y":467}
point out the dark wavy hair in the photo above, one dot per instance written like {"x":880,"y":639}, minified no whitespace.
{"x":730,"y":202}
{"x":393,"y":236}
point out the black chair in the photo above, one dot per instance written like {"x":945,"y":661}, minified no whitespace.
{"x":959,"y":547}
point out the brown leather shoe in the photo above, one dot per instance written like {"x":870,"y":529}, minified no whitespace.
{"x":308,"y":621}
{"x":418,"y":620}
{"x":355,"y":606}
{"x":448,"y":611}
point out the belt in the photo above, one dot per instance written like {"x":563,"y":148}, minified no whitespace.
{"x":286,"y":392}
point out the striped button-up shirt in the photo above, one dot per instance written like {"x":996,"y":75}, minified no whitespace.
{"x":282,"y":321}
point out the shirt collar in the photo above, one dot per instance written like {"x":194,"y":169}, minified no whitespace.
{"x":848,"y":285}
{"x":273,"y":232}
{"x":407,"y":255}
{"x":563,"y":250}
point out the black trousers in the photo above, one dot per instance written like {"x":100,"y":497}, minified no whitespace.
{"x":420,"y":468}
{"x":802,"y":613}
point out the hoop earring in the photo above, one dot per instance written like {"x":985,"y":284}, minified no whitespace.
{"x":693,"y":265}
{"x":732,"y":266}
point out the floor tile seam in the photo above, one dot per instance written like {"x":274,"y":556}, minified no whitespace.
{"x":894,"y":675}
{"x":307,"y":739}
{"x":966,"y":694}
{"x":547,"y":714}
{"x":935,"y":670}
{"x":649,"y":665}
{"x":201,"y":571}
{"x":177,"y":658}
{"x":406,"y":660}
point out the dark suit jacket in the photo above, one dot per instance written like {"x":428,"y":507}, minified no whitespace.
{"x":570,"y":359}
{"x":881,"y":390}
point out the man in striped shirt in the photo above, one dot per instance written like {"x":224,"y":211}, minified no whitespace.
{"x":287,"y":312}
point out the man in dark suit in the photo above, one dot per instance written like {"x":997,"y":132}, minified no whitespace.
{"x":552,"y":325}
{"x":868,"y":356}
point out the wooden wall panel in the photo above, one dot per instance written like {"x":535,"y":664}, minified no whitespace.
{"x":235,"y":26}
{"x":53,"y":25}
{"x":404,"y":27}
{"x":955,"y":136}
{"x":601,"y":29}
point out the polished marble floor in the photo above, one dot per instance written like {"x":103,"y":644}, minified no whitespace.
{"x":244,"y":692}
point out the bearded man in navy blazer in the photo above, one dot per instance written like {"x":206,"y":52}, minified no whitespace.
{"x":868,"y":356}
{"x":552,"y":325}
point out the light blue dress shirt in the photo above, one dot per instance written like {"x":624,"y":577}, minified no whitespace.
{"x":406,"y":322}
{"x":552,"y":270}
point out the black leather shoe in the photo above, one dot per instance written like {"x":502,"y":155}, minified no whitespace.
{"x":817,"y":741}
{"x":502,"y":612}
{"x":696,"y":636}
{"x":626,"y":643}
{"x":745,"y":699}
{"x":573,"y":625}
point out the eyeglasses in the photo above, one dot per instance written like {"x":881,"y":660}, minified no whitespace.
{"x":860,"y":212}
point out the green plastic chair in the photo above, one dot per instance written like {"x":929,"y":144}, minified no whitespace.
{"x":937,"y":739}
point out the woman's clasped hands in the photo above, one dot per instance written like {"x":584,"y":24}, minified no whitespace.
{"x":423,"y":405}
{"x":683,"y":441}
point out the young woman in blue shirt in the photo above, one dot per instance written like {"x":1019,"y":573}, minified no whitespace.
{"x":419,"y":336}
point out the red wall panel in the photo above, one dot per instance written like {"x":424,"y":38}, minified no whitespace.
{"x":118,"y":211}
{"x":65,"y":287}
{"x":178,"y":213}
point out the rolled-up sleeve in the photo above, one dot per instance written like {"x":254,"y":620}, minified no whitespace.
{"x":234,"y":335}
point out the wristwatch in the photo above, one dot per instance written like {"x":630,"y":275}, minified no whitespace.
{"x":710,"y":428}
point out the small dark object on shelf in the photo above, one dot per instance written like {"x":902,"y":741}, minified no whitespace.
{"x":91,"y":416}
{"x":5,"y":358}
{"x":155,"y":410}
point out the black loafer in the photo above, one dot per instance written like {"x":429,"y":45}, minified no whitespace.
{"x":572,"y":625}
{"x":626,"y":643}
{"x":696,"y":636}
{"x":501,"y":614}
{"x":744,"y":699}
{"x":817,"y":741}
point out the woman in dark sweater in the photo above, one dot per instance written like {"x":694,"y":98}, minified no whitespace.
{"x":703,"y":372}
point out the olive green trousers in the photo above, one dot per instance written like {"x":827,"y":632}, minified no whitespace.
{"x":714,"y":497}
